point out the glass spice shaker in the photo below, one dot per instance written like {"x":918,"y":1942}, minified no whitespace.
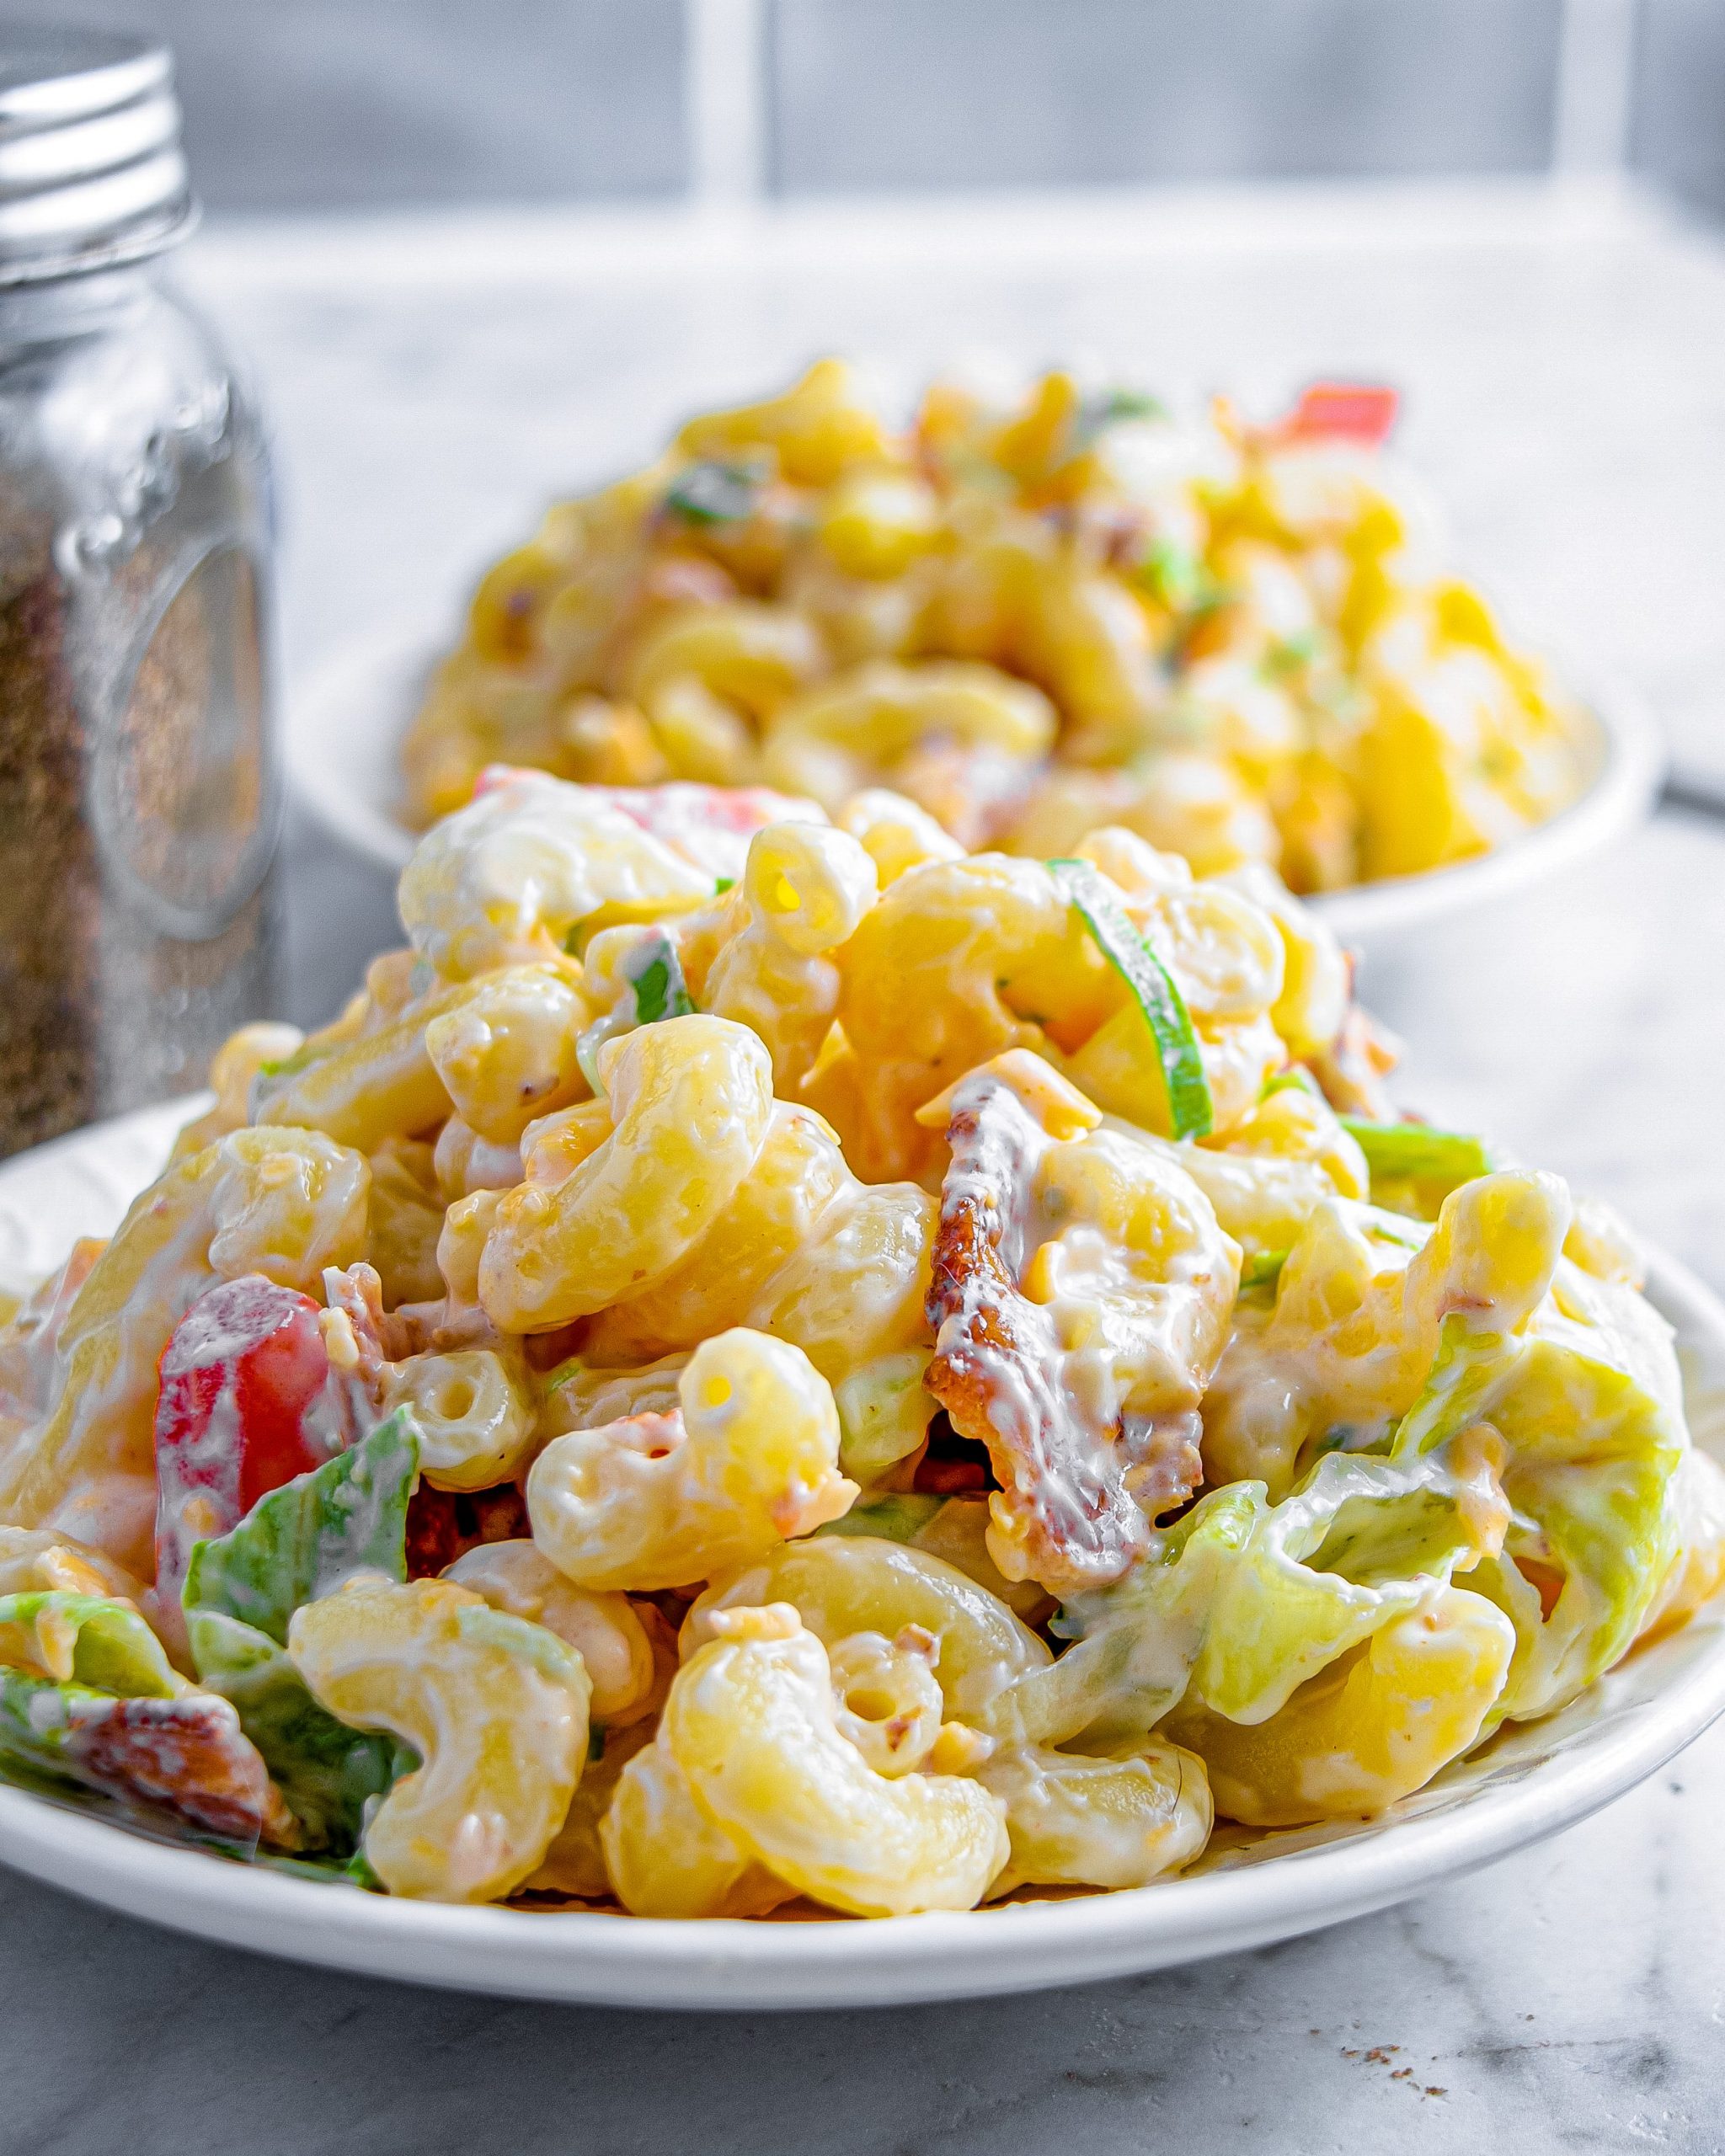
{"x":139,"y":795}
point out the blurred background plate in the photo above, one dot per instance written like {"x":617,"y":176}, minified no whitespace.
{"x":345,"y":726}
{"x":1249,"y":1889}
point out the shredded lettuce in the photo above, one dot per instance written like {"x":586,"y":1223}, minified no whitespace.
{"x":101,"y":1643}
{"x":299,"y":1543}
{"x":895,"y":1518}
{"x":302,"y":1541}
{"x":327,"y":1772}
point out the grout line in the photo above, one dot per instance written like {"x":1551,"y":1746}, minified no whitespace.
{"x":724,"y":87}
{"x":1595,"y":86}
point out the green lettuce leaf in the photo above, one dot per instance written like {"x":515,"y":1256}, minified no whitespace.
{"x":1587,"y":1401}
{"x":328,"y":1773}
{"x":113,"y":1649}
{"x":300,"y":1542}
{"x":1241,"y":1602}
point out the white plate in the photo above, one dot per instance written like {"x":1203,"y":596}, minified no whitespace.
{"x":344,"y":731}
{"x":1530,"y":1783}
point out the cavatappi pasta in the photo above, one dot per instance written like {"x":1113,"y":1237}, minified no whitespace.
{"x":771,"y":1359}
{"x":1240,"y":643}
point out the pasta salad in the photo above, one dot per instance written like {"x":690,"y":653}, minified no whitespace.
{"x":1240,"y":642}
{"x":768,"y":1359}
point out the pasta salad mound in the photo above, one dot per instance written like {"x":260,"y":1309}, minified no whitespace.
{"x":768,"y":1358}
{"x":1240,"y":642}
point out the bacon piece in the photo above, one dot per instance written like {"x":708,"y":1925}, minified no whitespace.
{"x":380,"y":1337}
{"x":1072,"y":1521}
{"x":445,"y":1525}
{"x":188,"y":1755}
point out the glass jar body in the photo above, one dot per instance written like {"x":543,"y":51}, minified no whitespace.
{"x":139,"y":796}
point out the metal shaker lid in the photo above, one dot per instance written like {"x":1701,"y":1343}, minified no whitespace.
{"x":91,"y":170}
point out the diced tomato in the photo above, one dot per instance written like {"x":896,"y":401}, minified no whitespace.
{"x":248,"y":1400}
{"x":1350,"y":411}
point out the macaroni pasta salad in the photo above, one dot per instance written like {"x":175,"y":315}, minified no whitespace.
{"x":1239,"y":642}
{"x":767,"y":1357}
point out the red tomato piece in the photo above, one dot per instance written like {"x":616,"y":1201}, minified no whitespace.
{"x":248,"y":1400}
{"x":1361,"y":412}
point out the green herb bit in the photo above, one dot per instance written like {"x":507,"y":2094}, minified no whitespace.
{"x":1175,"y":577}
{"x":1109,"y":409}
{"x":1190,"y":1111}
{"x":289,"y":1067}
{"x":721,"y":884}
{"x":1291,"y":655}
{"x":1414,"y":1152}
{"x":1263,"y":1271}
{"x":661,"y":991}
{"x":897,"y":1517}
{"x":1297,"y":1076}
{"x":714,"y":492}
{"x":328,"y":1773}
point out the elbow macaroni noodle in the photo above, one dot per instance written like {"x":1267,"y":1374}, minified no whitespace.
{"x":807,"y":1367}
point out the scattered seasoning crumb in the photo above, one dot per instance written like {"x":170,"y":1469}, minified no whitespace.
{"x":1437,"y":2092}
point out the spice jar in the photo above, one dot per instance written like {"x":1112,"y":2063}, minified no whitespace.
{"x":139,"y":798}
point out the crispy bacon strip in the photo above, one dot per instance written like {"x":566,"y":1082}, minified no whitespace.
{"x":187,"y":1755}
{"x":1163,"y":1463}
{"x":1070,"y":1517}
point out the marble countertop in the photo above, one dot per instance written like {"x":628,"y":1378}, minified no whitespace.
{"x":431,"y":388}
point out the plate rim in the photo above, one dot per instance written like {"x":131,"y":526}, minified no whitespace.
{"x":1633,"y":761}
{"x":600,"y":1958}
